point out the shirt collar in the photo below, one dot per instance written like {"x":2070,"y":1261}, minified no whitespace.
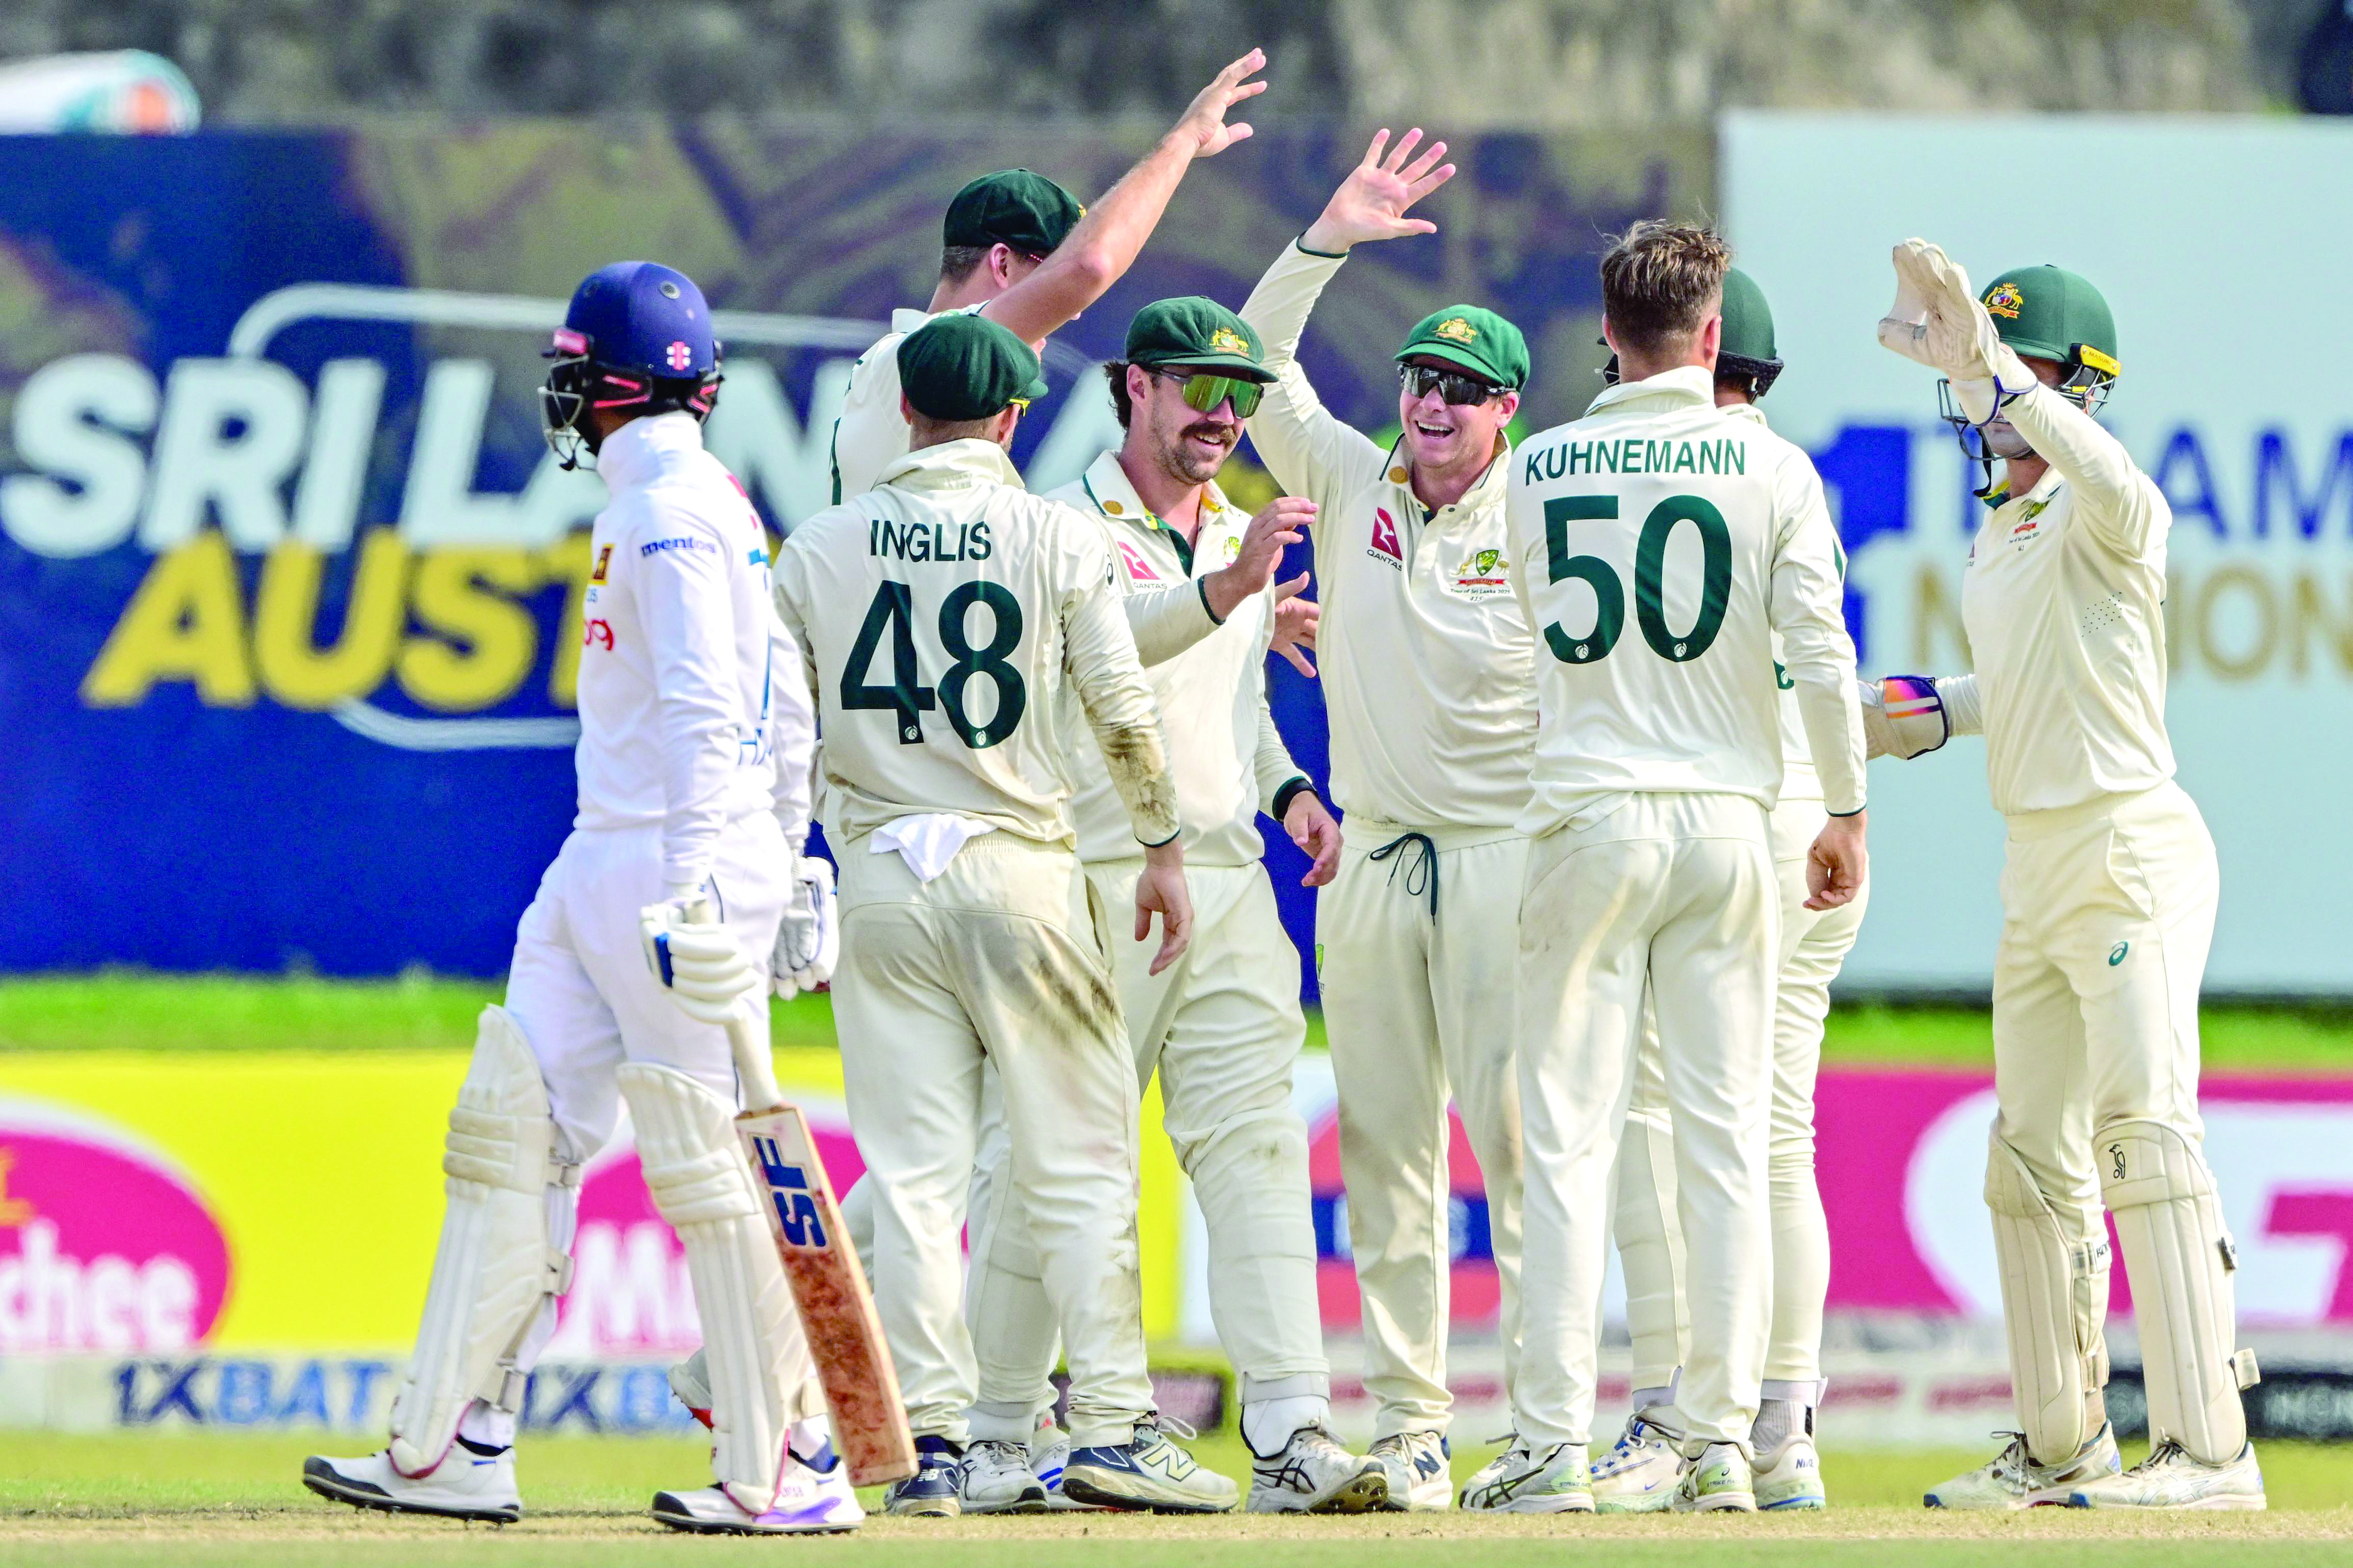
{"x":1747,"y":411}
{"x":1685,"y":386}
{"x":643,"y":447}
{"x":953,"y":463}
{"x":1488,"y":489}
{"x":1107,"y":486}
{"x":905,"y":320}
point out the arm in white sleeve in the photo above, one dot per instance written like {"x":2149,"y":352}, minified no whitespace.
{"x":1304,"y":445}
{"x":793,"y":735}
{"x":1804,"y":602}
{"x":1964,"y":710}
{"x":683,"y":601}
{"x":1168,"y":621}
{"x":1099,"y":658}
{"x":2114,"y":499}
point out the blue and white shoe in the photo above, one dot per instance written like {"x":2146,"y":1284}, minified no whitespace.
{"x":997,"y":1479}
{"x":1150,"y":1473}
{"x":1050,"y":1455}
{"x":1420,"y":1470}
{"x":1639,"y":1473}
{"x":1791,"y":1478}
{"x":935,"y":1490}
{"x":812,"y":1497}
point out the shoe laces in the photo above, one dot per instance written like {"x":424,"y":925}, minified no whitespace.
{"x":1169,"y":1426}
{"x":1002,"y":1450}
{"x":2168,"y":1452}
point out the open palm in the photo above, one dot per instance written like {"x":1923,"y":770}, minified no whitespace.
{"x":1372,"y":202}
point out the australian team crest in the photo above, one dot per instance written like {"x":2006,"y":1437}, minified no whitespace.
{"x":1227,"y":341}
{"x":1454,"y":330}
{"x":2004,"y":300}
{"x":1482,"y":576}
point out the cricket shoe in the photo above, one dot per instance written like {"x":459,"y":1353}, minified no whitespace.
{"x":1149,"y":1474}
{"x":1638,"y":1475}
{"x":2011,"y":1478}
{"x":1314,"y":1475}
{"x":1522,"y":1479}
{"x":933,"y":1491}
{"x":1420,"y":1470}
{"x":1050,"y":1455}
{"x":810,"y":1501}
{"x":689,"y":1383}
{"x":1791,"y":1478}
{"x":1720,"y":1481}
{"x":998,"y":1478}
{"x":464,"y":1485}
{"x":2172,"y":1478}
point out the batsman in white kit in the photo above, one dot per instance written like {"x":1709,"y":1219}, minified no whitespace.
{"x":1659,"y":547}
{"x":1638,"y":1472}
{"x":2108,"y":889}
{"x":943,"y":614}
{"x":694,"y":765}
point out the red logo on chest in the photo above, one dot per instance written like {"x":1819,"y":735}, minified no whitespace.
{"x":1385,"y":539}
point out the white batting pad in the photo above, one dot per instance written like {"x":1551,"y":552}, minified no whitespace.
{"x":495,"y":1268}
{"x":756,"y":1357}
{"x":2054,"y":1298}
{"x":2180,"y":1259}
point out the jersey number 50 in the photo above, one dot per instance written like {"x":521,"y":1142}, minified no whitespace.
{"x":1649,"y":578}
{"x":893,"y":613}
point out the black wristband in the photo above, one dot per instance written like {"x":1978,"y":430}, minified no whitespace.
{"x":1326,"y":255}
{"x":1203,"y":585}
{"x":1858,"y":811}
{"x":1291,"y":791}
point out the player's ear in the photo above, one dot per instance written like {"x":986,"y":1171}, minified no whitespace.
{"x":1507,"y":404}
{"x":1609,"y":336}
{"x":1001,"y":258}
{"x":1711,"y":339}
{"x":1006,"y":421}
{"x":906,"y":409}
{"x":1139,"y":385}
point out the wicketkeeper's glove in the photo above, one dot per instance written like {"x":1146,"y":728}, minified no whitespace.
{"x":1937,"y":320}
{"x":1903,"y":717}
{"x":697,"y":960}
{"x":809,"y":939}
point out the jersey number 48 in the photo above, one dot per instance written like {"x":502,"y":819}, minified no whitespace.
{"x":892,"y":614}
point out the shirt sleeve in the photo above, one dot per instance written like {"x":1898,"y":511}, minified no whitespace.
{"x":1304,"y":445}
{"x":793,"y":733}
{"x":1805,"y":603}
{"x":871,"y":434}
{"x":680,"y":565}
{"x":1272,"y":765}
{"x":1099,"y":661}
{"x":1168,"y":621}
{"x":2114,"y":499}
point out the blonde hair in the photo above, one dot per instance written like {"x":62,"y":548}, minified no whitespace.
{"x":1661,"y":281}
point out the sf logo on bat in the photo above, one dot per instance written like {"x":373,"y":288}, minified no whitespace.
{"x":788,"y":1189}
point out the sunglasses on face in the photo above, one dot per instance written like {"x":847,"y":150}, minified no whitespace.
{"x":1459,"y":390}
{"x":1203,"y":392}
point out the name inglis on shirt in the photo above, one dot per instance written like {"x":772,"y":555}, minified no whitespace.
{"x":926,"y":542}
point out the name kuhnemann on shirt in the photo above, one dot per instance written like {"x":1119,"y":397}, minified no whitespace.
{"x":1635,"y":455}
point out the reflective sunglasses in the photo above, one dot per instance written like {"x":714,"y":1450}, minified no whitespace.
{"x":1205,"y":391}
{"x":1459,"y":390}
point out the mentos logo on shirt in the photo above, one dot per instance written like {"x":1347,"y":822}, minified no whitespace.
{"x":658,"y":545}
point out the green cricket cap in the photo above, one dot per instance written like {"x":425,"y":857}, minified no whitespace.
{"x":2055,"y":314}
{"x":965,"y":367}
{"x":1028,"y":212}
{"x":1477,"y":339}
{"x":1196,"y":333}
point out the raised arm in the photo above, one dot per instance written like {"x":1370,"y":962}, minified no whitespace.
{"x":1105,"y":244}
{"x":2114,"y":499}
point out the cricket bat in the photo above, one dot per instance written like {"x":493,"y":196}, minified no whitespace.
{"x":845,"y":1335}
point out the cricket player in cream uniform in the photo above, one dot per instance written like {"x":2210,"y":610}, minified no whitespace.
{"x":1640,"y":1472}
{"x":1019,"y":250}
{"x":2108,"y":896}
{"x":1425,"y":668}
{"x":1222,"y":1024}
{"x":943,"y":614}
{"x":1661,"y":546}
{"x":694,"y":762}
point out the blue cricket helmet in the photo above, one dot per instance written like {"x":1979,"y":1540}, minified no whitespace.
{"x":636,"y":336}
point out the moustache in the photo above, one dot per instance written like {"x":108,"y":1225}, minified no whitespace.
{"x":1212,"y":431}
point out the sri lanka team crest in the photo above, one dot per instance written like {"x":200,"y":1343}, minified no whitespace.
{"x":2004,"y":300}
{"x":1385,"y":545}
{"x":1482,"y":577}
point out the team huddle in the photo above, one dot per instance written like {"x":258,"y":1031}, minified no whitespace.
{"x":1594,"y":852}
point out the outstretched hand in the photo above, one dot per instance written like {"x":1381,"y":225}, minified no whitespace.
{"x":1295,"y":622}
{"x":1372,"y":202}
{"x":1204,"y":118}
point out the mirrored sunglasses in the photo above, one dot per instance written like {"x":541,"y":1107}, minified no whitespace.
{"x":1205,"y":391}
{"x":1458,"y":389}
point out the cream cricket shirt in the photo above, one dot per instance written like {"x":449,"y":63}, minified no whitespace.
{"x":1661,"y":546}
{"x":2064,"y":604}
{"x":943,"y":613}
{"x":1223,"y":749}
{"x":1798,"y":779}
{"x":1427,"y":658}
{"x":871,"y":434}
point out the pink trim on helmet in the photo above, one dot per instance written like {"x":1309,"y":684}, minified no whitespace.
{"x":571,"y":342}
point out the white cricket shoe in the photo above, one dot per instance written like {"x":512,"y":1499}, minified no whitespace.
{"x":2172,"y":1477}
{"x":1638,"y":1475}
{"x":998,"y":1478}
{"x":1522,"y":1479}
{"x":1149,"y":1474}
{"x":464,"y":1485}
{"x":808,"y":1502}
{"x":1791,"y":1478}
{"x":1050,"y":1455}
{"x":1314,"y":1475}
{"x":1420,"y":1467}
{"x":1720,"y":1481}
{"x":2011,"y":1478}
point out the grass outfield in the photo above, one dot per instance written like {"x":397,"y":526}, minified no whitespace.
{"x":225,"y":1499}
{"x":125,"y":1009}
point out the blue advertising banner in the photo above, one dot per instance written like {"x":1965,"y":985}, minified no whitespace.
{"x":291,"y":588}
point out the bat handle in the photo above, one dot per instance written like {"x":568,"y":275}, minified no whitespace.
{"x":753,"y":1067}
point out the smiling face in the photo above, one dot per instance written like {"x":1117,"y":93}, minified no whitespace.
{"x":1440,"y":435}
{"x":1183,"y":443}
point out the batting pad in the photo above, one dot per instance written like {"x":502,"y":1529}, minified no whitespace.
{"x":496,"y":1265}
{"x":757,"y":1361}
{"x":2055,"y":1298}
{"x":2179,"y":1258}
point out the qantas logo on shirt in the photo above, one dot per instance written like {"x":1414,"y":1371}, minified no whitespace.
{"x":1139,"y":570}
{"x":597,"y":632}
{"x":1385,"y":546}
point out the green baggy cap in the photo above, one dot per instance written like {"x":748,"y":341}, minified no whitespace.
{"x":1477,"y":339}
{"x":965,"y":367}
{"x":1198,"y":332}
{"x":1028,"y":212}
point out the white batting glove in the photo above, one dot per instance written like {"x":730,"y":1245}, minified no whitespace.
{"x":809,"y":939}
{"x":1903,"y":717}
{"x":1937,"y":320}
{"x":697,"y":960}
